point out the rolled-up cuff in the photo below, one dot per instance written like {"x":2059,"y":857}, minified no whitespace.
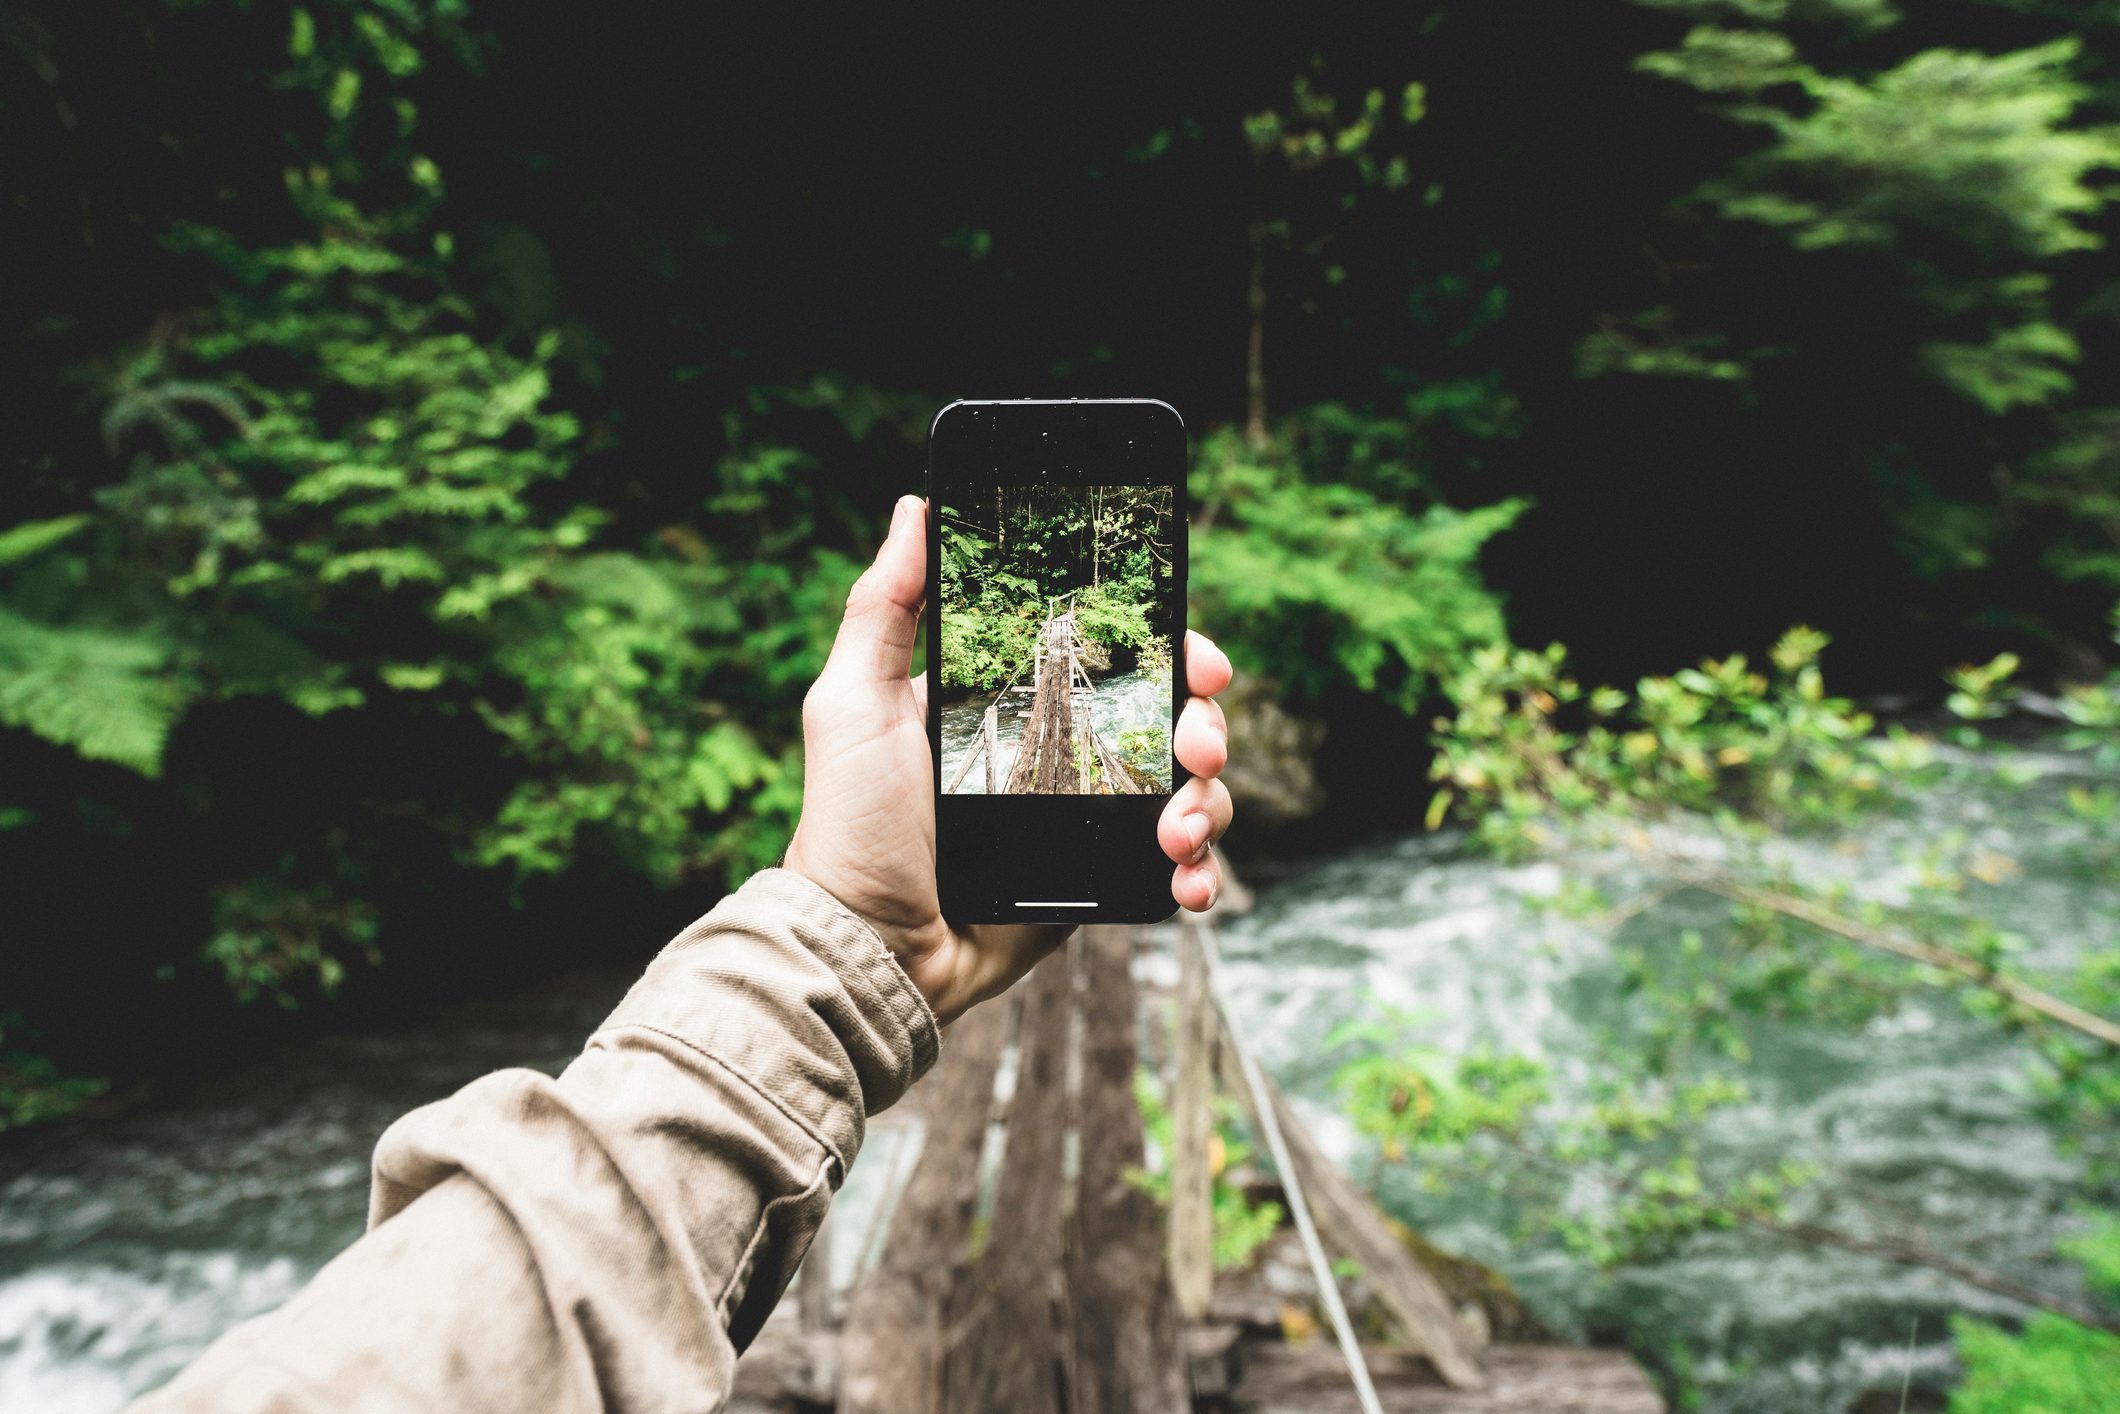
{"x":869,"y":969}
{"x":829,"y":1003}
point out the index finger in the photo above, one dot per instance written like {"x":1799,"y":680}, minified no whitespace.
{"x":1207,"y":669}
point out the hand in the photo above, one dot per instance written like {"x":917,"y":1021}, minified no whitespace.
{"x":867,"y":834}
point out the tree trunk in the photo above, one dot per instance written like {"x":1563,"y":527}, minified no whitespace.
{"x":1096,"y":537}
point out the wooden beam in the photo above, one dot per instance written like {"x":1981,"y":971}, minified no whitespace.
{"x":964,"y":767}
{"x":1192,"y":1221}
{"x":1527,"y":1379}
{"x":1005,"y":1334}
{"x":1126,"y":1356}
{"x":895,"y":1345}
{"x":988,"y":729}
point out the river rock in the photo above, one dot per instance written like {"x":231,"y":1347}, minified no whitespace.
{"x":1270,"y":775}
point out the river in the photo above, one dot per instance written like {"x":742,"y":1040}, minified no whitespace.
{"x":127,"y":1242}
{"x":1124,"y":702}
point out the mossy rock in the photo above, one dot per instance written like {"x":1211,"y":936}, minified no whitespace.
{"x":1270,"y":773}
{"x":1470,"y":1283}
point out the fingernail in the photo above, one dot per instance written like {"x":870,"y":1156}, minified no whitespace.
{"x":1214,"y":891}
{"x":1196,"y":827}
{"x":902,"y":514}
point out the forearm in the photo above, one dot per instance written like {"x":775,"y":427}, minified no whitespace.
{"x":609,"y":1239}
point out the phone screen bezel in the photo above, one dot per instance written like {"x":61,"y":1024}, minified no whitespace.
{"x":1046,"y":858}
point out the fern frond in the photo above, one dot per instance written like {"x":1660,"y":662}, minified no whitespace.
{"x":106,"y":694}
{"x":19,"y":542}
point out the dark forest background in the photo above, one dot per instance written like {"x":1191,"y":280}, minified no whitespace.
{"x":439,"y":436}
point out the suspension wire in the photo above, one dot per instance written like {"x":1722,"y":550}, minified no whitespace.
{"x":1291,"y":1182}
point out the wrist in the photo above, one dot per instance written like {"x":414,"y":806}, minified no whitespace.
{"x":919,"y":947}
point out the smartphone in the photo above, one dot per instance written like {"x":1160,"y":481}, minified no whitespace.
{"x":1056,"y":656}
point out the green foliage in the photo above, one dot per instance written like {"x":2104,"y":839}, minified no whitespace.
{"x":1721,"y":740}
{"x":25,"y":540}
{"x":2078,"y":474}
{"x":1241,"y":1226}
{"x":1104,"y":549}
{"x":2092,"y":710}
{"x":1329,"y":584}
{"x":1619,"y":1180}
{"x":1860,"y":15}
{"x":1308,"y":132}
{"x":1717,"y":60}
{"x":1971,"y":144}
{"x":2054,"y":1364}
{"x":106,"y":693}
{"x":1957,"y":188}
{"x":271,"y":938}
{"x":32,"y":1088}
{"x":2098,"y":1249}
{"x":341,"y":490}
{"x":1408,"y":1097}
{"x":2054,"y":1367}
{"x":1702,"y":781}
{"x":986,"y":650}
{"x":1650,"y":343}
{"x":1110,"y":614}
{"x":1146,"y":748}
{"x":1975,"y":150}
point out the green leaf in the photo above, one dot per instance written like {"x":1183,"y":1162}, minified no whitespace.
{"x":19,"y":542}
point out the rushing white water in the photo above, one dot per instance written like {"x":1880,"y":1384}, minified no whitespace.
{"x":126,"y":1243}
{"x":1920,"y":1122}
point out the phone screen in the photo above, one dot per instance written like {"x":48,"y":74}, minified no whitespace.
{"x":1056,"y":636}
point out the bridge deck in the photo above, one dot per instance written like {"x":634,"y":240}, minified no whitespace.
{"x":1060,"y":751}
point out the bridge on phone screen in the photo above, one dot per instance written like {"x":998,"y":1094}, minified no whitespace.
{"x":1060,"y":751}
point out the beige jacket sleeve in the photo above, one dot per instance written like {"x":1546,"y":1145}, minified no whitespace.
{"x":612,"y":1238}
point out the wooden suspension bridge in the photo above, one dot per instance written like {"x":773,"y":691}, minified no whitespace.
{"x":1018,"y":1265}
{"x":1060,"y":752}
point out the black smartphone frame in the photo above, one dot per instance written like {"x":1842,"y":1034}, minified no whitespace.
{"x":1053,"y":858}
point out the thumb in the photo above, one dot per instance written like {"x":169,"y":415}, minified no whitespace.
{"x":875,"y":639}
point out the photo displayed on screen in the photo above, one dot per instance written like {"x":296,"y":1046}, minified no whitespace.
{"x":1056,"y":641}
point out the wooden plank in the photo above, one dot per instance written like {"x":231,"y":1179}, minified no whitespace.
{"x":1005,"y":1318}
{"x":1352,"y":1227}
{"x":1126,"y":1357}
{"x":988,"y":728}
{"x":964,"y":767}
{"x":1045,"y":761}
{"x":1192,"y":1221}
{"x":894,"y":1347}
{"x":1522,"y":1379}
